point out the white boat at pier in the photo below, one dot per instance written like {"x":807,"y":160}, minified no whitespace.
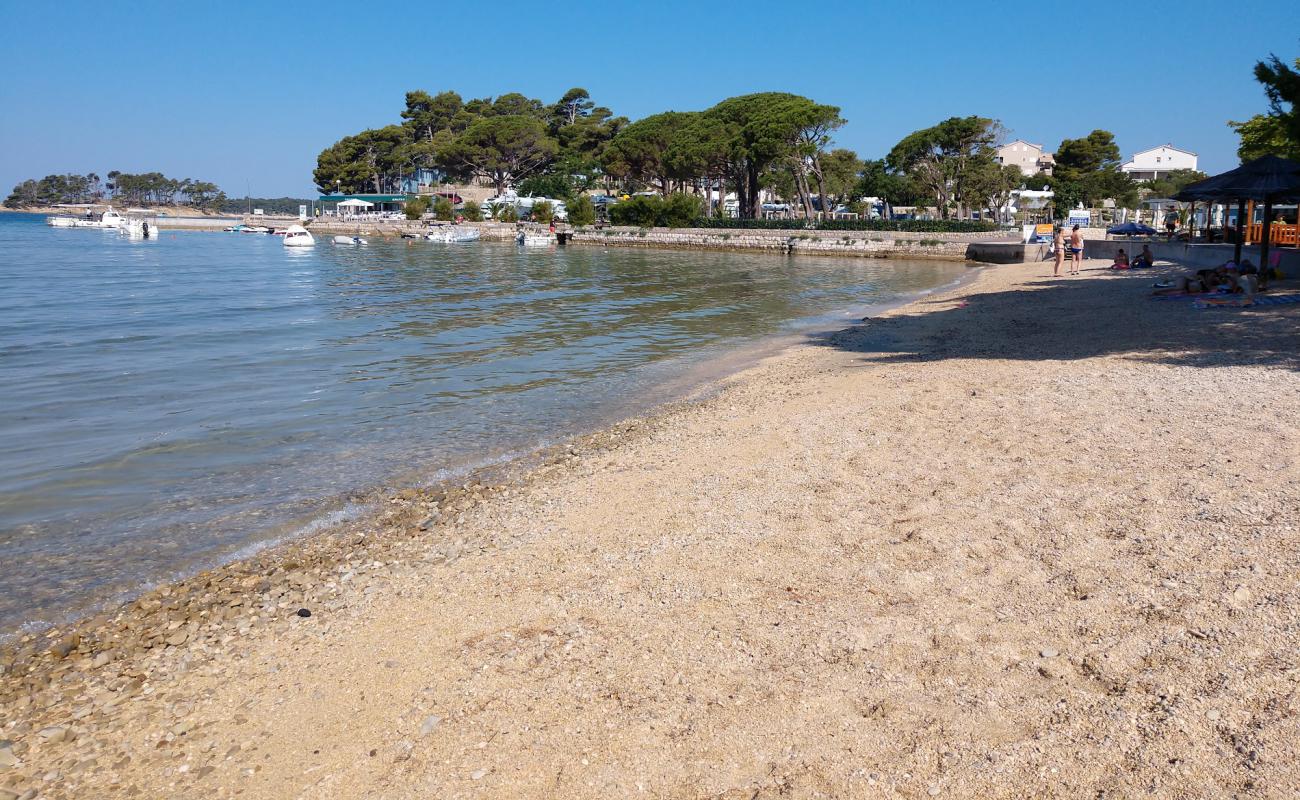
{"x":454,"y":234}
{"x":534,"y":239}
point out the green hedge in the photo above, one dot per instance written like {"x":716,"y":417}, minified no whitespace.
{"x":901,"y":225}
{"x":674,"y":211}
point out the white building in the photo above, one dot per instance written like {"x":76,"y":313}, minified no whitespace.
{"x":1156,"y":163}
{"x":1029,"y":157}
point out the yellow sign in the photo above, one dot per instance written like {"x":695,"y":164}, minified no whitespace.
{"x":1044,"y":229}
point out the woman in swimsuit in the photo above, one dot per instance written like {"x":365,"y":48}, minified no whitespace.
{"x":1076,"y":250}
{"x":1058,"y":244}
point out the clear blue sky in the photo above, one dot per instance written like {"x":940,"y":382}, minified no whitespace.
{"x":246,"y":94}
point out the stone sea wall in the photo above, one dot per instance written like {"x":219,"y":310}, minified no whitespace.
{"x":870,"y":244}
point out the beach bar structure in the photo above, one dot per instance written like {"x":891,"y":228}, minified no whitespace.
{"x":1267,"y":180}
{"x":352,"y":204}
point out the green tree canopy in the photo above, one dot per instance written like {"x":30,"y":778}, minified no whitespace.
{"x":503,"y":149}
{"x":1173,"y":183}
{"x":878,"y":180}
{"x":1088,"y":169}
{"x":942,"y":159}
{"x":1278,"y":132}
{"x":640,"y":150}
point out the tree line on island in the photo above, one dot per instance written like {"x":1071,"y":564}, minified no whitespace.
{"x":144,"y":189}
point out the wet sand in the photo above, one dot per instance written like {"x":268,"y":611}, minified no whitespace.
{"x":1028,"y":537}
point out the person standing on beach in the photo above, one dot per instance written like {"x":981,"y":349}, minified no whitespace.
{"x":1058,"y":245}
{"x":1076,"y":250}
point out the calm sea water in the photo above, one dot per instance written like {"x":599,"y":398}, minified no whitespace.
{"x":166,"y":404}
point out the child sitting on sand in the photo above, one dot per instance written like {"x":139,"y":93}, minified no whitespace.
{"x":1121,"y":260}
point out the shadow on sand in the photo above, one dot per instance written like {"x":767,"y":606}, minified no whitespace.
{"x":1097,"y":314}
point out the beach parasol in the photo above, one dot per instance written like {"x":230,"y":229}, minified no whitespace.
{"x":1131,"y":229}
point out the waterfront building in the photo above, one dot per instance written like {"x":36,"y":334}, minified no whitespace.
{"x":1157,"y":162}
{"x":1029,"y":157}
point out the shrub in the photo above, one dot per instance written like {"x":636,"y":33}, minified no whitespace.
{"x":472,"y":213}
{"x":675,"y":211}
{"x":543,"y":211}
{"x":416,"y":206}
{"x":505,"y":213}
{"x":680,"y":210}
{"x":559,"y":187}
{"x":582,"y":211}
{"x":442,"y":209}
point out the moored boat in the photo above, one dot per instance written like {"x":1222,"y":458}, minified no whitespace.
{"x":529,"y":239}
{"x":450,"y":234}
{"x":349,"y":240}
{"x":298,"y":236}
{"x":94,"y":217}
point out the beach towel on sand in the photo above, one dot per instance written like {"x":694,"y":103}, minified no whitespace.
{"x":1244,"y":300}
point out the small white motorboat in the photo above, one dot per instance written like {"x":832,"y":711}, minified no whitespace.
{"x":256,"y":229}
{"x":298,"y":236}
{"x":454,"y":235}
{"x":92,"y":218}
{"x":528,"y":239}
{"x":137,"y":228}
{"x":349,"y":240}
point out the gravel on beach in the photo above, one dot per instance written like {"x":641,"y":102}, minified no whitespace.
{"x":1034,"y":536}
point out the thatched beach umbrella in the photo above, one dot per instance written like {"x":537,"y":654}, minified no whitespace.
{"x":1269,"y":179}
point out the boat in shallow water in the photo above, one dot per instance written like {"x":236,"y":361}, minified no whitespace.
{"x":94,"y":217}
{"x":528,"y":239}
{"x":454,"y":234}
{"x":349,"y":240}
{"x":298,"y":236}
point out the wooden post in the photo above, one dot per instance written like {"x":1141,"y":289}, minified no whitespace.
{"x":1263,"y":239}
{"x":1250,"y":218}
{"x":1241,"y":215}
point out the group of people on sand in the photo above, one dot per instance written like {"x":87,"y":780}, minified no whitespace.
{"x":1228,"y":278}
{"x":1144,"y":259}
{"x":1076,"y":250}
{"x":1075,"y":243}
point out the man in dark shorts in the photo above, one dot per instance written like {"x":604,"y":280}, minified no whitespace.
{"x":1076,"y":250}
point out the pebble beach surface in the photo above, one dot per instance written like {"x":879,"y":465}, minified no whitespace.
{"x":1032,"y":537}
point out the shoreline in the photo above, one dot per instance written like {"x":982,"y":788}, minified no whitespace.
{"x":364,"y":583}
{"x":364,"y":505}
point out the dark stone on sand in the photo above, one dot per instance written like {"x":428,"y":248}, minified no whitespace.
{"x":303,"y":612}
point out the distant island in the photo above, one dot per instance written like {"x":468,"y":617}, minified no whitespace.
{"x":143,"y":190}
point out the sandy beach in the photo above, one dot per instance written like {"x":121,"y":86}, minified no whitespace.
{"x":1028,"y":537}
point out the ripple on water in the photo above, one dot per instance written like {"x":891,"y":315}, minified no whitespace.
{"x":171,"y":404}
